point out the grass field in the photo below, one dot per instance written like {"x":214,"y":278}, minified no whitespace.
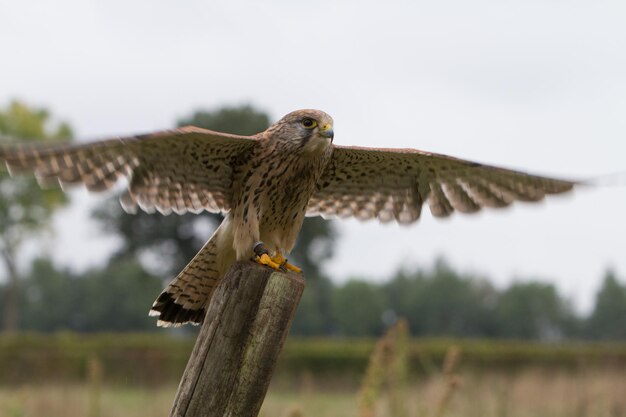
{"x":140,"y":359}
{"x":133,"y":375}
{"x":532,"y":392}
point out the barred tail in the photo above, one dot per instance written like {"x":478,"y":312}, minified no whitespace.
{"x":185,"y":299}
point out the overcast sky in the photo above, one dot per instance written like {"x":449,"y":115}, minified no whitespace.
{"x":533,"y":85}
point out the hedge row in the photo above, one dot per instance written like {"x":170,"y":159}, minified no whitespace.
{"x":160,"y":358}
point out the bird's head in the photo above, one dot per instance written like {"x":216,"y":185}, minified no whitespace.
{"x":311,"y":129}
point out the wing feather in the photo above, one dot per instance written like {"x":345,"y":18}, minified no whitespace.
{"x":188,"y":169}
{"x":393,"y":184}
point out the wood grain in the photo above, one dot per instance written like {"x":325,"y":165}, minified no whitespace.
{"x":232,"y":362}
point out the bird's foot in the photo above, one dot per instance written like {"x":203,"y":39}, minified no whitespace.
{"x":282,"y":261}
{"x":262,"y":256}
{"x":266,"y":260}
{"x":277,"y":262}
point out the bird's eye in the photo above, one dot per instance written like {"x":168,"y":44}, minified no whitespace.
{"x":309,"y":123}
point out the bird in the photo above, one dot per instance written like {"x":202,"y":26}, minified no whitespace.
{"x":265,"y":185}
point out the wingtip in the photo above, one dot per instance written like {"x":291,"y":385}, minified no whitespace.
{"x":615,"y":179}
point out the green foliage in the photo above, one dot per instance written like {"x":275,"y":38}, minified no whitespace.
{"x":124,"y":291}
{"x":169,"y":242}
{"x":608,"y":319}
{"x":24,"y":123}
{"x":443,"y":302}
{"x":316,"y":243}
{"x":159,"y":358}
{"x":112,"y":299}
{"x":240,"y":120}
{"x":52,"y":298}
{"x":314,"y":314}
{"x":532,"y":311}
{"x":436,"y":302}
{"x":358,"y":308}
{"x":129,"y":359}
{"x":24,"y":208}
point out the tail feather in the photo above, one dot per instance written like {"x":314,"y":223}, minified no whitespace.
{"x":185,"y":299}
{"x":173,"y":314}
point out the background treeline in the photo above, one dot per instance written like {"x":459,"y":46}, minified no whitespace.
{"x":436,"y":301}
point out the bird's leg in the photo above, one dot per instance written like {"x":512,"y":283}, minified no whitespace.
{"x":282,"y":261}
{"x":261,"y":256}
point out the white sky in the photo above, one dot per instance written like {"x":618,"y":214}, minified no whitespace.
{"x":534,"y":85}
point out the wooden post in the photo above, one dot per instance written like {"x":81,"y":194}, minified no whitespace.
{"x":243,"y":333}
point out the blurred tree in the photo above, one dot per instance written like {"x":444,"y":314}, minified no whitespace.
{"x":315,"y":311}
{"x":164,"y":243}
{"x":608,"y":318}
{"x":52,"y":298}
{"x":533,"y":310}
{"x":25,"y":209}
{"x":240,"y":120}
{"x":116,"y":298}
{"x":109,"y":299}
{"x":316,"y":242}
{"x":441,"y":302}
{"x":167,"y":243}
{"x":358,"y":307}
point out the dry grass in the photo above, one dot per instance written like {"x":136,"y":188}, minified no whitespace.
{"x":386,"y":373}
{"x":74,"y":401}
{"x":387,"y":390}
{"x":529,"y":393}
{"x":387,"y":376}
{"x":536,"y":393}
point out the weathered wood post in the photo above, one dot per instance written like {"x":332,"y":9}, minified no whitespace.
{"x":243,"y":333}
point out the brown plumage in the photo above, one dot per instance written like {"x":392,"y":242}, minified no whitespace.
{"x":265,"y":184}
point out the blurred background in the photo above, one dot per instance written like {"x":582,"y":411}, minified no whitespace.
{"x":523,"y":308}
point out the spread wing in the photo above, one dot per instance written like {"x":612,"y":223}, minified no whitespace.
{"x":393,"y":184}
{"x":188,"y":169}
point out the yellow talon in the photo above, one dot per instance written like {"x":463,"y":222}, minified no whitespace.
{"x":280,"y":260}
{"x":292,"y":268}
{"x":265,"y":259}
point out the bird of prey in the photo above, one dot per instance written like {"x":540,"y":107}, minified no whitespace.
{"x":266,"y":184}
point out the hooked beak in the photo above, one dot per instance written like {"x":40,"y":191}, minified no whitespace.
{"x":327,"y":131}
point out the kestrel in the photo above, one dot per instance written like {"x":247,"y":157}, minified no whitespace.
{"x":265,"y":185}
